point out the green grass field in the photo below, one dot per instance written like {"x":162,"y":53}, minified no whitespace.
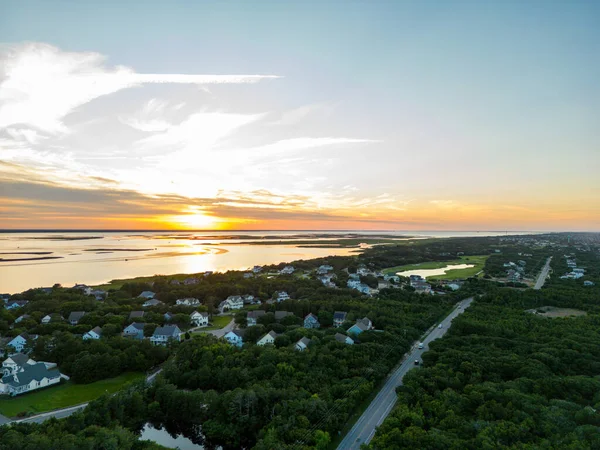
{"x":64,"y":395}
{"x":477,"y":260}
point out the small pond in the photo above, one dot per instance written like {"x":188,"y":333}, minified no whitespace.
{"x":434,"y":272}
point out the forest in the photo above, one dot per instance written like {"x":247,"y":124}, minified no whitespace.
{"x":505,"y":377}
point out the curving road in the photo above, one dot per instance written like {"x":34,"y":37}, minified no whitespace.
{"x":364,"y":428}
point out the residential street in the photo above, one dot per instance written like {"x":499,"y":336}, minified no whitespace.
{"x":543,"y":274}
{"x":364,"y":428}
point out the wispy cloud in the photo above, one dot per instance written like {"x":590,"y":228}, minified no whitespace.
{"x":41,"y":84}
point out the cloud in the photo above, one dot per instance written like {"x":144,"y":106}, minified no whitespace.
{"x":294,"y":144}
{"x":41,"y":84}
{"x":295,"y":116}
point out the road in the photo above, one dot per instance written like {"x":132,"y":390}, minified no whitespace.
{"x":364,"y":428}
{"x":543,"y":274}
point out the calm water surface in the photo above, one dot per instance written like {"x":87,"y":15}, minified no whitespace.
{"x":434,"y":272}
{"x":162,"y":437}
{"x":98,"y":257}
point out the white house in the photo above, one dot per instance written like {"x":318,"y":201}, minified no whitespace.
{"x":162,"y":335}
{"x":287,"y":270}
{"x":188,"y":302}
{"x":257,"y":269}
{"x":147,"y":294}
{"x":302,"y":344}
{"x":235,"y":337}
{"x":29,"y":377}
{"x":281,"y":296}
{"x":50,"y":318}
{"x":94,"y":333}
{"x":267,"y":339}
{"x":232,"y":302}
{"x":21,"y":341}
{"x":199,"y":319}
{"x":21,"y":318}
{"x":12,"y":363}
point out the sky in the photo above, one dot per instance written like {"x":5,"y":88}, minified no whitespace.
{"x":300,"y":115}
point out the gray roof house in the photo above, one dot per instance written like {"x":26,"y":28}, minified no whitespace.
{"x":147,"y":294}
{"x":75,"y":317}
{"x":343,"y":339}
{"x":281,"y":314}
{"x":136,"y":314}
{"x":253,"y":316}
{"x":28,"y":378}
{"x":302,"y":344}
{"x":134,"y":330}
{"x":162,"y":335}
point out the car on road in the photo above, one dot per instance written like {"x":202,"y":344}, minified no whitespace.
{"x":416,"y":362}
{"x":421,"y":345}
{"x":440,"y":326}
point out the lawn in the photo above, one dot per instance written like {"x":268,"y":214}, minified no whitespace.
{"x":64,"y":395}
{"x":218,"y":322}
{"x":477,"y":260}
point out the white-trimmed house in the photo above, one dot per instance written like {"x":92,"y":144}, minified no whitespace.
{"x":14,"y":304}
{"x":147,"y":294}
{"x":302,"y":344}
{"x":94,"y":333}
{"x":287,"y":270}
{"x":281,"y":296}
{"x":361,"y":325}
{"x":29,"y":377}
{"x":14,"y":362}
{"x":231,"y":302}
{"x":267,"y":339}
{"x":134,"y":330}
{"x":52,"y":318}
{"x":21,"y":318}
{"x":187,"y":302}
{"x":311,"y":321}
{"x":199,"y":319}
{"x":19,"y":342}
{"x":162,"y":335}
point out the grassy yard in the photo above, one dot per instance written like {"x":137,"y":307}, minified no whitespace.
{"x":64,"y":395}
{"x":478,"y":261}
{"x":218,"y":322}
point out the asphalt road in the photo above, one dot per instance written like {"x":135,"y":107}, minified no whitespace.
{"x":543,"y":275}
{"x":364,"y":428}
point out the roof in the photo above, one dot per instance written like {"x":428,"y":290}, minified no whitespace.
{"x":134,"y":314}
{"x":153,"y":302}
{"x":340,"y":315}
{"x":76,"y":315}
{"x":281,"y":314}
{"x":96,"y":330}
{"x":204,"y":314}
{"x":361,"y":325}
{"x":168,"y":330}
{"x":20,"y":359}
{"x":256,"y":314}
{"x":31,"y":372}
{"x":341,"y":337}
{"x":304,"y":341}
{"x":238,"y":332}
{"x":309,"y":315}
{"x":272,"y":334}
{"x":147,"y":294}
{"x":137,"y":325}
